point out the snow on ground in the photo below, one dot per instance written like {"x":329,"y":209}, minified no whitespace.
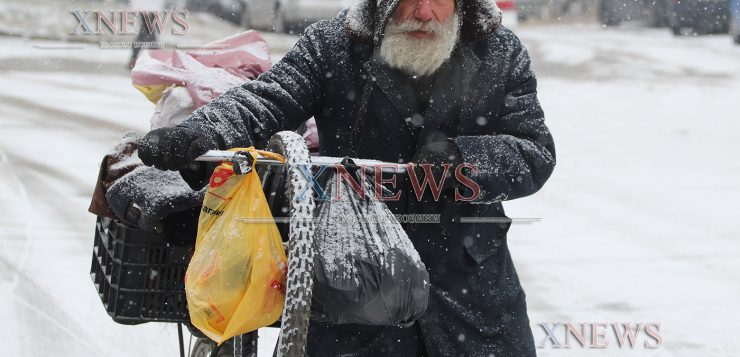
{"x":636,"y":220}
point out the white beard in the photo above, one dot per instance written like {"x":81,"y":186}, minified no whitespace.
{"x":417,"y":56}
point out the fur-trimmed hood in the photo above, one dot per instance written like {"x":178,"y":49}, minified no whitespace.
{"x":366,"y":19}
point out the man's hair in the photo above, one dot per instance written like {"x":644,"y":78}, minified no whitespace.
{"x":419,"y":56}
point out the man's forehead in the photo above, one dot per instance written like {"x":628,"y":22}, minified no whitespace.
{"x":440,"y":2}
{"x":439,"y":9}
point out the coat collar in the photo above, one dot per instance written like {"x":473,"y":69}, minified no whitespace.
{"x":396,"y":86}
{"x":448,"y":101}
{"x":451,"y":102}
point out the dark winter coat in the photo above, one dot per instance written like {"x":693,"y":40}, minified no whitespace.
{"x":486,"y":104}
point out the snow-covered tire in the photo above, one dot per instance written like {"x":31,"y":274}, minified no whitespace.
{"x":299,"y":284}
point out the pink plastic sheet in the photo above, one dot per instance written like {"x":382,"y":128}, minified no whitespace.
{"x":206,"y":72}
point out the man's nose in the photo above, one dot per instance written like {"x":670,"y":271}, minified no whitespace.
{"x":423,"y":10}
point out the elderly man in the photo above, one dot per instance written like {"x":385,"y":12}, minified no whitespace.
{"x":426,"y":81}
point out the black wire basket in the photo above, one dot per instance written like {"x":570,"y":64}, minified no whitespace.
{"x":139,"y":275}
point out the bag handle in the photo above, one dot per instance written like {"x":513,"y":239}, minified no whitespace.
{"x":271,"y":155}
{"x":242,"y":167}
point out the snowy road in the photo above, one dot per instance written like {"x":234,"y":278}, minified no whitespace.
{"x":637,"y":221}
{"x":638,"y":218}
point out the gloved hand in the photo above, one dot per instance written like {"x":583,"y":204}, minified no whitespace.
{"x":173,"y":148}
{"x":438,"y":153}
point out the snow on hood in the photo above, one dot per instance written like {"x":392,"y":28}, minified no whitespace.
{"x":480,"y":18}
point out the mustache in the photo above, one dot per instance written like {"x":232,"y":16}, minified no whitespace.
{"x":396,"y":27}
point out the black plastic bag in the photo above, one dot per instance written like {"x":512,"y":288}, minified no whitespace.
{"x":366,"y":270}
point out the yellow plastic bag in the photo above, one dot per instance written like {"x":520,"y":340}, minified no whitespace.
{"x":153,"y":92}
{"x":235,"y":282}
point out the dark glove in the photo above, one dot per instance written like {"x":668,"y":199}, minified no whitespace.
{"x":173,"y":148}
{"x":438,"y":153}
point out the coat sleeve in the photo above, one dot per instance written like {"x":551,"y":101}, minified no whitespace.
{"x":516,"y":159}
{"x":279,"y":99}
